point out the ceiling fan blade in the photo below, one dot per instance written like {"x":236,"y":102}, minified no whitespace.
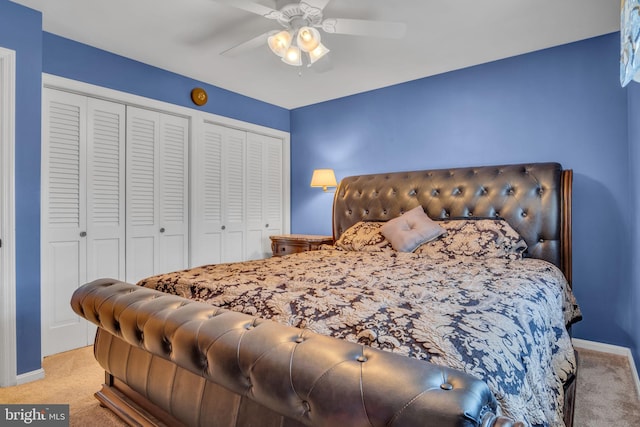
{"x":244,"y":47}
{"x":252,"y":7}
{"x":361,"y":27}
{"x":317,"y":4}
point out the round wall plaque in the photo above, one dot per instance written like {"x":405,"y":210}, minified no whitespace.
{"x":199,"y":96}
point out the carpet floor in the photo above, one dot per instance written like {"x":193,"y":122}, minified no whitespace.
{"x":606,"y":393}
{"x":71,"y":378}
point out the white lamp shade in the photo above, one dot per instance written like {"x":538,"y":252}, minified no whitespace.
{"x":293,"y":56}
{"x":323,"y":178}
{"x":317,"y":53}
{"x":279,"y":43}
{"x":308,"y":38}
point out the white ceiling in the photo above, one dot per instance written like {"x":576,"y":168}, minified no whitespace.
{"x":187,"y":37}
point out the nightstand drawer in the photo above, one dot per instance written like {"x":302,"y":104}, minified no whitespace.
{"x":286,"y":248}
{"x":294,"y":243}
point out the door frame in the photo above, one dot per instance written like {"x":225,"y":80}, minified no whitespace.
{"x":8,"y":344}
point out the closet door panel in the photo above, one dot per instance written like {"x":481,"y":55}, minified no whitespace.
{"x":237,"y":188}
{"x":66,"y":267}
{"x":272,"y":192}
{"x":105,"y":190}
{"x":219,"y":181}
{"x":64,"y":219}
{"x":157,"y":193}
{"x":174,"y":188}
{"x":234,"y":195}
{"x":255,"y":208}
{"x":207,"y":224}
{"x":107,"y":258}
{"x":142,"y":216}
{"x":142,"y":256}
{"x":207,"y":249}
{"x":264,"y":193}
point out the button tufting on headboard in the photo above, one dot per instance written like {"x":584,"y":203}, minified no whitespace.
{"x":528,"y":196}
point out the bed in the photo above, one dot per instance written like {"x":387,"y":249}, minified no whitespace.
{"x":464,"y":325}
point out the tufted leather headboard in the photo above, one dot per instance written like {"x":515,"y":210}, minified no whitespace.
{"x":534,"y":198}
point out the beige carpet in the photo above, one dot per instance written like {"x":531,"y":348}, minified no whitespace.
{"x":71,"y":377}
{"x":606,"y":393}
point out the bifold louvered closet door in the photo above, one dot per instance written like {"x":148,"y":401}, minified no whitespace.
{"x":264,"y":193}
{"x":238,"y":194}
{"x":114,"y":202}
{"x":219,"y":192}
{"x":157,"y":203}
{"x":83,"y":227}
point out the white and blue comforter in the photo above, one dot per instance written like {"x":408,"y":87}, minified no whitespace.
{"x":498,"y":319}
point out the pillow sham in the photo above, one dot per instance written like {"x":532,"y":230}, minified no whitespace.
{"x":410,"y":230}
{"x":363,"y":236}
{"x":478,"y":238}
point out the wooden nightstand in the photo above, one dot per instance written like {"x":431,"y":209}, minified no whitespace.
{"x":286,"y":244}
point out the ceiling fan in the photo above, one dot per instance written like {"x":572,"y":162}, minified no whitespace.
{"x":299,"y":42}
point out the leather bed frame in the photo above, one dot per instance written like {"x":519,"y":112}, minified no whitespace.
{"x":171,"y":361}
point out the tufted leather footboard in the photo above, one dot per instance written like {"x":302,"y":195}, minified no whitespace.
{"x":172,"y":361}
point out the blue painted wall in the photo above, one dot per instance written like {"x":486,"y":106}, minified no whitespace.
{"x":562,"y":104}
{"x":77,"y":61}
{"x":634,"y":159}
{"x":21,"y":31}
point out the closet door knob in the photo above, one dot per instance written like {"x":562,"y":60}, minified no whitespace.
{"x":223,"y":227}
{"x":266,"y":226}
{"x":83,"y":234}
{"x":162,"y":230}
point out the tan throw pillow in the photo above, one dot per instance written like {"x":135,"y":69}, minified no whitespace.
{"x":410,"y":230}
{"x":479,"y":238}
{"x":363,"y":236}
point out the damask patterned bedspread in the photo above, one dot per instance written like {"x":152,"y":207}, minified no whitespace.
{"x":498,"y":319}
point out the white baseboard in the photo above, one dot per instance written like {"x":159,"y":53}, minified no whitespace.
{"x":30,"y":376}
{"x":611,"y":349}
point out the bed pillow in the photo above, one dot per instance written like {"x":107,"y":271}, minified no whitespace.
{"x":478,"y":238}
{"x":363,"y":236}
{"x":410,"y":230}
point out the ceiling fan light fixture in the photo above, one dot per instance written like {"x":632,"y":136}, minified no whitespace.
{"x":279,"y":43}
{"x":293,"y":56}
{"x":317,"y":53}
{"x":308,"y":38}
{"x":302,"y":20}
